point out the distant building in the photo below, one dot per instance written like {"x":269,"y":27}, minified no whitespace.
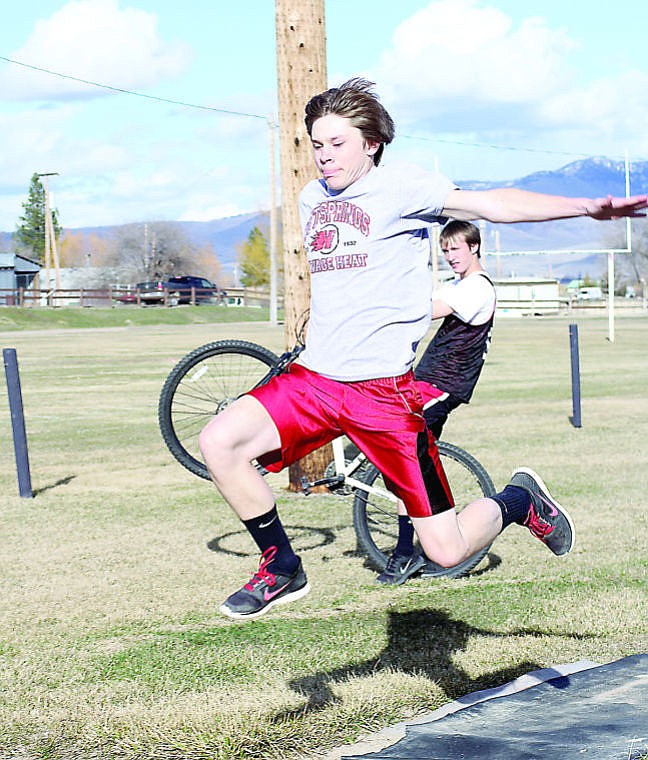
{"x":527,"y":295}
{"x":16,"y":272}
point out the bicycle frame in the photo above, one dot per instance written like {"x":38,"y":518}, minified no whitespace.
{"x":346,"y":469}
{"x":343,"y":474}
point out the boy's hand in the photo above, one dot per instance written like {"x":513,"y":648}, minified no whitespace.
{"x":617,"y":208}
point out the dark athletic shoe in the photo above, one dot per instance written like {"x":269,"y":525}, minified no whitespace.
{"x":399,"y":568}
{"x":264,"y":590}
{"x":547,"y":520}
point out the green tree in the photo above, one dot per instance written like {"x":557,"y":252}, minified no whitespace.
{"x":29,"y":236}
{"x":254,"y":258}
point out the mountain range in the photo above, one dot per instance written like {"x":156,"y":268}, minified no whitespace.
{"x":592,"y":177}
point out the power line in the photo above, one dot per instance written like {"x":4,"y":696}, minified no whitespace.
{"x":265,"y":118}
{"x":131,"y":92}
{"x":502,"y":147}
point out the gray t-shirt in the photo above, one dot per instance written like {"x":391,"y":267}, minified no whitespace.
{"x":368,"y":249}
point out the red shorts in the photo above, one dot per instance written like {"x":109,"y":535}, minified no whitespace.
{"x":383,"y":417}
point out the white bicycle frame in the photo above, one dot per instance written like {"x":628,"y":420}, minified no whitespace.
{"x":346,"y":470}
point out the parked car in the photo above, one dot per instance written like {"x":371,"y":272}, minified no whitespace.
{"x":178,"y":290}
{"x":204,"y":290}
{"x":152,"y":291}
{"x":590,"y":294}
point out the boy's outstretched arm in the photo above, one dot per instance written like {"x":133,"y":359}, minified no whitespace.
{"x":508,"y":205}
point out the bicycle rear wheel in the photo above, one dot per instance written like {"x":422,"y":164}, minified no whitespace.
{"x":376,"y":522}
{"x":201,"y":385}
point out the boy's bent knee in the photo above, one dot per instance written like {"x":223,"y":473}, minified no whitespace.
{"x":215,"y":446}
{"x":210,"y":439}
{"x":241,"y":433}
{"x":441,"y":539}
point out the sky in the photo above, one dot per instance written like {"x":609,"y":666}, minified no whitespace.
{"x":480,"y":89}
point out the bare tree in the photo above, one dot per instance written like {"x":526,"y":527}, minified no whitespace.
{"x":153,"y":251}
{"x":632,"y":268}
{"x":301,"y":73}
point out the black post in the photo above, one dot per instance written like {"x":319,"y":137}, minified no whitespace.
{"x":17,"y":421}
{"x":575,"y":376}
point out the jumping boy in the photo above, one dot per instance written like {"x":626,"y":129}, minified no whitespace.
{"x":365,"y":233}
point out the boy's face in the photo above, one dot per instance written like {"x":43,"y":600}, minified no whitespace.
{"x":461,"y":256}
{"x":340,"y":151}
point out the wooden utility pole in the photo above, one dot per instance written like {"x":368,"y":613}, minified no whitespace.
{"x":273,"y":223}
{"x":48,"y":261}
{"x":51,"y":252}
{"x":301,"y":73}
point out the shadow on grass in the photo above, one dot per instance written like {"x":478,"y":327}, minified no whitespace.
{"x":305,"y":538}
{"x":492,"y":561}
{"x":487,"y":565}
{"x":61,"y":482}
{"x":302,"y":537}
{"x":420,"y":642}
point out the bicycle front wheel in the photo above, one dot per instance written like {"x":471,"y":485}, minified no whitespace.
{"x":201,"y":385}
{"x":376,"y":521}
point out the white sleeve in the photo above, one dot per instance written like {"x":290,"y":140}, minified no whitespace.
{"x":471,"y":299}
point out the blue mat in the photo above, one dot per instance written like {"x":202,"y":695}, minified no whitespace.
{"x":600,"y":713}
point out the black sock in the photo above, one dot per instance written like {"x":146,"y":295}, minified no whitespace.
{"x":514,"y":503}
{"x":405,"y":543}
{"x":268,"y":531}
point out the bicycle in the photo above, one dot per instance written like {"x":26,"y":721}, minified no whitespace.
{"x":211,"y":377}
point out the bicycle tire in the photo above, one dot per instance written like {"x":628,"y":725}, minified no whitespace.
{"x":201,"y":385}
{"x":375,"y":520}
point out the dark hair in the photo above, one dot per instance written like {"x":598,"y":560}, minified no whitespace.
{"x":469,"y":232}
{"x":355,"y":101}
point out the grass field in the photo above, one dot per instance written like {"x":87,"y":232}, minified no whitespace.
{"x":111,"y":643}
{"x":15,"y":318}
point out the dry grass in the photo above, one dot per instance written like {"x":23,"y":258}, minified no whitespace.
{"x":112,"y":645}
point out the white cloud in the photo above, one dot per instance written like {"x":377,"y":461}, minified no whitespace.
{"x":463,"y":69}
{"x":41,"y":140}
{"x":97,"y":41}
{"x":119,"y":170}
{"x":462,"y":49}
{"x":29,"y":133}
{"x":612,"y":106}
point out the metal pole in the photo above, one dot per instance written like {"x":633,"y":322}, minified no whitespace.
{"x":17,"y":422}
{"x":575,"y":376}
{"x":627,"y":192}
{"x":611,"y":276}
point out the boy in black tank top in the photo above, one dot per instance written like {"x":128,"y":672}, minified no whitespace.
{"x":451,"y":364}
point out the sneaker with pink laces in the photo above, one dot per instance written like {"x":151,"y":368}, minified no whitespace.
{"x":547,"y":519}
{"x":265,"y":589}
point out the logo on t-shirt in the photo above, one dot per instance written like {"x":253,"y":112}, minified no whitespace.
{"x":335,"y":226}
{"x":325,"y":240}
